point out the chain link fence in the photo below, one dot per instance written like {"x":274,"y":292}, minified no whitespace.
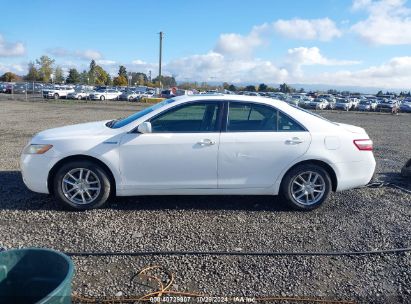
{"x":23,"y":90}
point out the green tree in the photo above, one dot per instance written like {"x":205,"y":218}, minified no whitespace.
{"x":84,"y":77}
{"x":167,"y":81}
{"x":120,"y":81}
{"x":33,"y":74}
{"x":45,"y":67}
{"x":250,"y":88}
{"x":58,"y":75}
{"x":138,"y":78}
{"x":73,"y":76}
{"x":285,"y":88}
{"x":262,"y":87}
{"x":122,"y":71}
{"x":10,"y":77}
{"x":101,"y":77}
{"x":92,"y":72}
{"x":232,"y":88}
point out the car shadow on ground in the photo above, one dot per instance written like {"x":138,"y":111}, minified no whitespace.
{"x":394,"y":178}
{"x":14,"y":195}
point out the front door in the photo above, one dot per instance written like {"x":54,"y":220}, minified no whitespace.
{"x":180,"y":153}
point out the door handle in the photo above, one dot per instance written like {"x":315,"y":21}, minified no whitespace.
{"x":294,"y":141}
{"x":206,"y":142}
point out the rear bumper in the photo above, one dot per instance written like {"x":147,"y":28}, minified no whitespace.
{"x":354,"y":174}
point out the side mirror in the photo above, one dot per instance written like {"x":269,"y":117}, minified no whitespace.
{"x":144,"y":127}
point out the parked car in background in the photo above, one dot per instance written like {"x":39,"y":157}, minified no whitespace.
{"x":259,"y":146}
{"x":405,"y":107}
{"x":367,"y":105}
{"x":8,"y":88}
{"x":317,"y":104}
{"x":130,"y":95}
{"x":57,"y":92}
{"x":148,"y":94}
{"x":20,"y":88}
{"x":343,"y":104}
{"x":79,"y":94}
{"x":354,"y":103}
{"x":298,"y":99}
{"x":103,"y":94}
{"x":386,"y":105}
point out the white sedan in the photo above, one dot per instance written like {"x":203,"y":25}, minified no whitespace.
{"x":103,"y":94}
{"x":201,"y":144}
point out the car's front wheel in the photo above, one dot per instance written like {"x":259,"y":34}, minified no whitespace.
{"x":81,"y":185}
{"x":306,"y":187}
{"x":102,"y":97}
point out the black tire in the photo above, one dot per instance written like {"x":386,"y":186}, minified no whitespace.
{"x":102,"y":97}
{"x":104,"y":182}
{"x":56,"y":96}
{"x":287,"y":186}
{"x":79,"y":98}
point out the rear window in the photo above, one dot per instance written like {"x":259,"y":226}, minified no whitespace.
{"x":249,"y":117}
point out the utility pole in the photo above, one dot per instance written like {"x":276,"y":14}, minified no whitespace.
{"x":159,"y":60}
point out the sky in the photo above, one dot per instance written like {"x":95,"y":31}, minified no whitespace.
{"x":363,"y":43}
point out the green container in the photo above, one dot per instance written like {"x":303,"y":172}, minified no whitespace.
{"x":35,"y":275}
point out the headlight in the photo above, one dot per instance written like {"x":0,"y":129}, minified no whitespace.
{"x":37,"y":149}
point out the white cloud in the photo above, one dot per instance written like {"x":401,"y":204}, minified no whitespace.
{"x":8,"y":49}
{"x":82,"y":55}
{"x":217,"y":67}
{"x":312,"y":56}
{"x":298,"y":57}
{"x":236,"y":45}
{"x":106,"y":62}
{"x":388,"y":22}
{"x":16,"y":68}
{"x":304,"y":29}
{"x":138,"y":62}
{"x":394,"y":74}
{"x":242,"y":46}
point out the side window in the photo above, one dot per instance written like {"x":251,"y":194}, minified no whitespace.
{"x":195,"y":117}
{"x":286,"y":124}
{"x":248,"y":117}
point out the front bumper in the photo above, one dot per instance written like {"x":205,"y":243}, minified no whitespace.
{"x":35,"y":170}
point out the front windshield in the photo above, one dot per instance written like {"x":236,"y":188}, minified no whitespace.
{"x":125,"y":121}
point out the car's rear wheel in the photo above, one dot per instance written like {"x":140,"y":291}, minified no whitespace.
{"x":79,"y":97}
{"x":81,"y":185}
{"x":306,"y":187}
{"x":102,"y":98}
{"x":56,"y":96}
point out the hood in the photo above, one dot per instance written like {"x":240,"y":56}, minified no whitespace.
{"x":79,"y":130}
{"x":352,"y":129}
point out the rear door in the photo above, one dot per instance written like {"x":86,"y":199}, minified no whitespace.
{"x":259,"y":142}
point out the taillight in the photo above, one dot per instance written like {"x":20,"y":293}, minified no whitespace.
{"x":363,"y":144}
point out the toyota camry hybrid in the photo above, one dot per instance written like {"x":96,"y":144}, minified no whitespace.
{"x":201,"y":145}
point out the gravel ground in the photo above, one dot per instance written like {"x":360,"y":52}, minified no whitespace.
{"x":364,"y":219}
